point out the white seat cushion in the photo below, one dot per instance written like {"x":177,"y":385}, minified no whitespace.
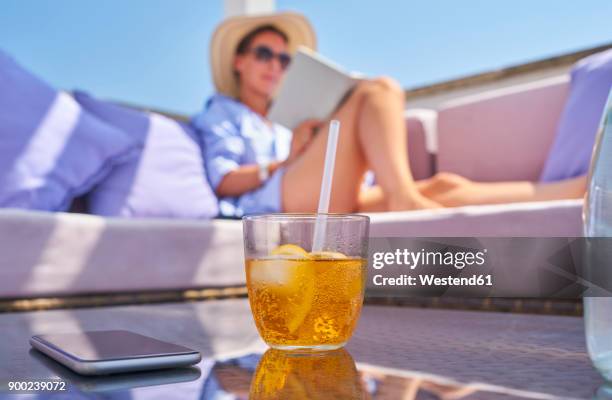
{"x":59,"y":254}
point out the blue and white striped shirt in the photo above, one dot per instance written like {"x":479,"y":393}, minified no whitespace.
{"x":233,"y":135}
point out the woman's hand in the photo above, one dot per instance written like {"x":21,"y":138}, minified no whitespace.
{"x":302,"y":135}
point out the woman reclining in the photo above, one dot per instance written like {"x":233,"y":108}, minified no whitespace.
{"x":257,"y":166}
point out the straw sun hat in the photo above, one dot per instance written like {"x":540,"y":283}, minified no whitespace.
{"x":230,"y":32}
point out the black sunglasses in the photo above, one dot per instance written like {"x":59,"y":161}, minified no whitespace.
{"x":266,"y":54}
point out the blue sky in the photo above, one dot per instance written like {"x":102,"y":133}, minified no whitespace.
{"x":155,"y":52}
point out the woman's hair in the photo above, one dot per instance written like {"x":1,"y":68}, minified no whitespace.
{"x":245,"y":43}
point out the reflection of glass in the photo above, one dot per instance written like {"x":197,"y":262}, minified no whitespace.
{"x":326,"y":375}
{"x":301,"y":299}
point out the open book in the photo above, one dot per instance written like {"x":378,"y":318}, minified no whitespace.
{"x":313,"y":87}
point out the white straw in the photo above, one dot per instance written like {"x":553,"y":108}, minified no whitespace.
{"x":326,"y":185}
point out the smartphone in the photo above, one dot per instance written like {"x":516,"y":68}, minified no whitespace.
{"x":113,"y":382}
{"x":110,"y":352}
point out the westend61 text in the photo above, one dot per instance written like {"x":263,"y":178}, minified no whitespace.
{"x":413,"y":259}
{"x":431,"y":280}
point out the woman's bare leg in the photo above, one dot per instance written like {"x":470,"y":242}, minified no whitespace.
{"x":373,"y":135}
{"x":452,"y":190}
{"x":382,"y":131}
{"x":302,"y":179}
{"x":372,"y":199}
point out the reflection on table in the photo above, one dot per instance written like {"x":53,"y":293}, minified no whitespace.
{"x":275,"y":375}
{"x":329,"y":375}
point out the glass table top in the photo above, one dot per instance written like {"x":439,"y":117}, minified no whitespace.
{"x":395,"y":353}
{"x":274,"y":374}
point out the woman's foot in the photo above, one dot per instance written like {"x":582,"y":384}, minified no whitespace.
{"x":448,"y":189}
{"x":413,"y":201}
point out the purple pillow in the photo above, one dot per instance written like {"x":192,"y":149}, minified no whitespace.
{"x":50,"y":149}
{"x":167,"y":180}
{"x":571,"y":151}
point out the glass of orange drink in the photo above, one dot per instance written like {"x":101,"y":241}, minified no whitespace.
{"x":300,"y":299}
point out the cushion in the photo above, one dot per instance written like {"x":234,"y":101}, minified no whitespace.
{"x":62,"y":254}
{"x":50,"y":149}
{"x":571,"y":151}
{"x":167,"y":179}
{"x":501,"y":134}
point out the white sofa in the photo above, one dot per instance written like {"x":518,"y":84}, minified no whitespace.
{"x":501,"y":134}
{"x":56,"y":254}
